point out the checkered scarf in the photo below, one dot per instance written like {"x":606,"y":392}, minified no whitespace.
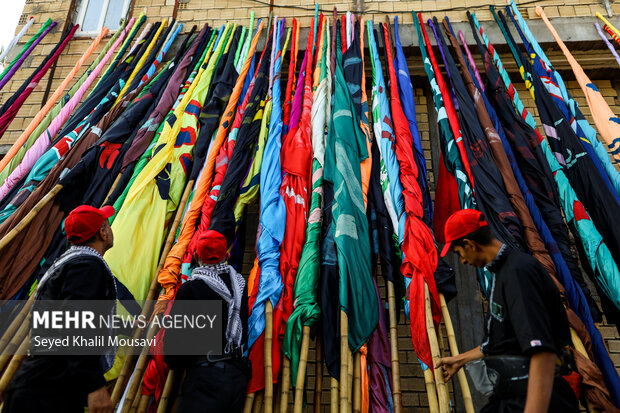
{"x":107,"y":359}
{"x":210,"y":274}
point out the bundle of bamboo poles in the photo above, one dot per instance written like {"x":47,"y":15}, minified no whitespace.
{"x":15,"y":340}
{"x":345,"y":394}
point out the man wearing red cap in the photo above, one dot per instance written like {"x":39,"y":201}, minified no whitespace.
{"x":523,"y":354}
{"x":55,"y":383}
{"x":214,"y":382}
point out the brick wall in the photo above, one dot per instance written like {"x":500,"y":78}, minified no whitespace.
{"x":217,"y":12}
{"x":220,"y":11}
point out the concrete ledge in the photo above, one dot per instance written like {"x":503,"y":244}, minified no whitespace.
{"x":4,"y":149}
{"x":578,"y":33}
{"x":573,"y":31}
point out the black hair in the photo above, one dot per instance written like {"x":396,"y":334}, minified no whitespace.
{"x":482,"y":236}
{"x":91,"y":239}
{"x":87,"y":242}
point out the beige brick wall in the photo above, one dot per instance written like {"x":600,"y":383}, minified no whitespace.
{"x":42,"y":10}
{"x":217,"y":12}
{"x":220,"y":11}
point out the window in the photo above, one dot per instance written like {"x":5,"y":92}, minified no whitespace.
{"x":93,"y":15}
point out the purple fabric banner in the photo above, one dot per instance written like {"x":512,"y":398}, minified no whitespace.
{"x":17,"y":64}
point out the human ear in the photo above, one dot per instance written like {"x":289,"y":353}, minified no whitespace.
{"x":103,"y":233}
{"x":467,"y":243}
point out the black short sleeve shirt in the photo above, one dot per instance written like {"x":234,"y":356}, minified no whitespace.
{"x":526,"y":314}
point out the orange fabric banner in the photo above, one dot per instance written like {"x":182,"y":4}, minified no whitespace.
{"x":168,"y":276}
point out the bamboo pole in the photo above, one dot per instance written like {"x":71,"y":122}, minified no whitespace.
{"x":177,"y":396}
{"x":344,"y":358}
{"x":285,"y":383}
{"x":113,"y":187}
{"x":258,"y":403}
{"x":124,"y":373}
{"x":440,"y":341}
{"x":431,"y":391}
{"x":144,"y":403}
{"x":454,"y":350}
{"x":249,"y":401}
{"x":442,"y":389}
{"x":396,"y":392}
{"x":333,"y":406}
{"x":165,"y":395}
{"x":277,"y":391}
{"x":15,"y":344}
{"x":29,"y":217}
{"x":268,"y":397}
{"x":22,"y":324}
{"x":301,"y":371}
{"x":16,"y":323}
{"x":318,"y":388}
{"x":357,"y":383}
{"x":14,"y":365}
{"x":134,"y":405}
{"x":136,"y":378}
{"x":175,"y":224}
{"x":138,"y":395}
{"x":349,"y":381}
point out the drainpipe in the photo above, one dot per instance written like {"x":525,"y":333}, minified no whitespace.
{"x":65,"y":29}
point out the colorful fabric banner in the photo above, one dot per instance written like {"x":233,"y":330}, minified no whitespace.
{"x":296,"y":160}
{"x":383,"y":130}
{"x":170,"y":275}
{"x":156,"y":192}
{"x":307,"y":311}
{"x":448,"y":122}
{"x":575,"y":212}
{"x":160,"y":56}
{"x":419,"y":250}
{"x":611,"y":48}
{"x":553,"y":83}
{"x":405,"y":89}
{"x":16,"y":38}
{"x":12,"y":67}
{"x":469,"y":95}
{"x":42,"y":142}
{"x":11,"y":162}
{"x":272,"y":224}
{"x":60,"y":90}
{"x":345,"y":149}
{"x":24,"y":254}
{"x":142,"y":59}
{"x":8,"y":113}
{"x":607,"y":124}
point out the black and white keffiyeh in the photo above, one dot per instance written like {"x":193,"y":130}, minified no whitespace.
{"x":210,"y":274}
{"x":76,"y":251}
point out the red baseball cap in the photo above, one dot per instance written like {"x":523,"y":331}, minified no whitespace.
{"x":212,"y":247}
{"x":84,"y":222}
{"x":460,"y":224}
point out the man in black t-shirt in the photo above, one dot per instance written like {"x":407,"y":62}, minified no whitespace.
{"x":213,"y":382}
{"x":66,"y":384}
{"x":526,"y":327}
